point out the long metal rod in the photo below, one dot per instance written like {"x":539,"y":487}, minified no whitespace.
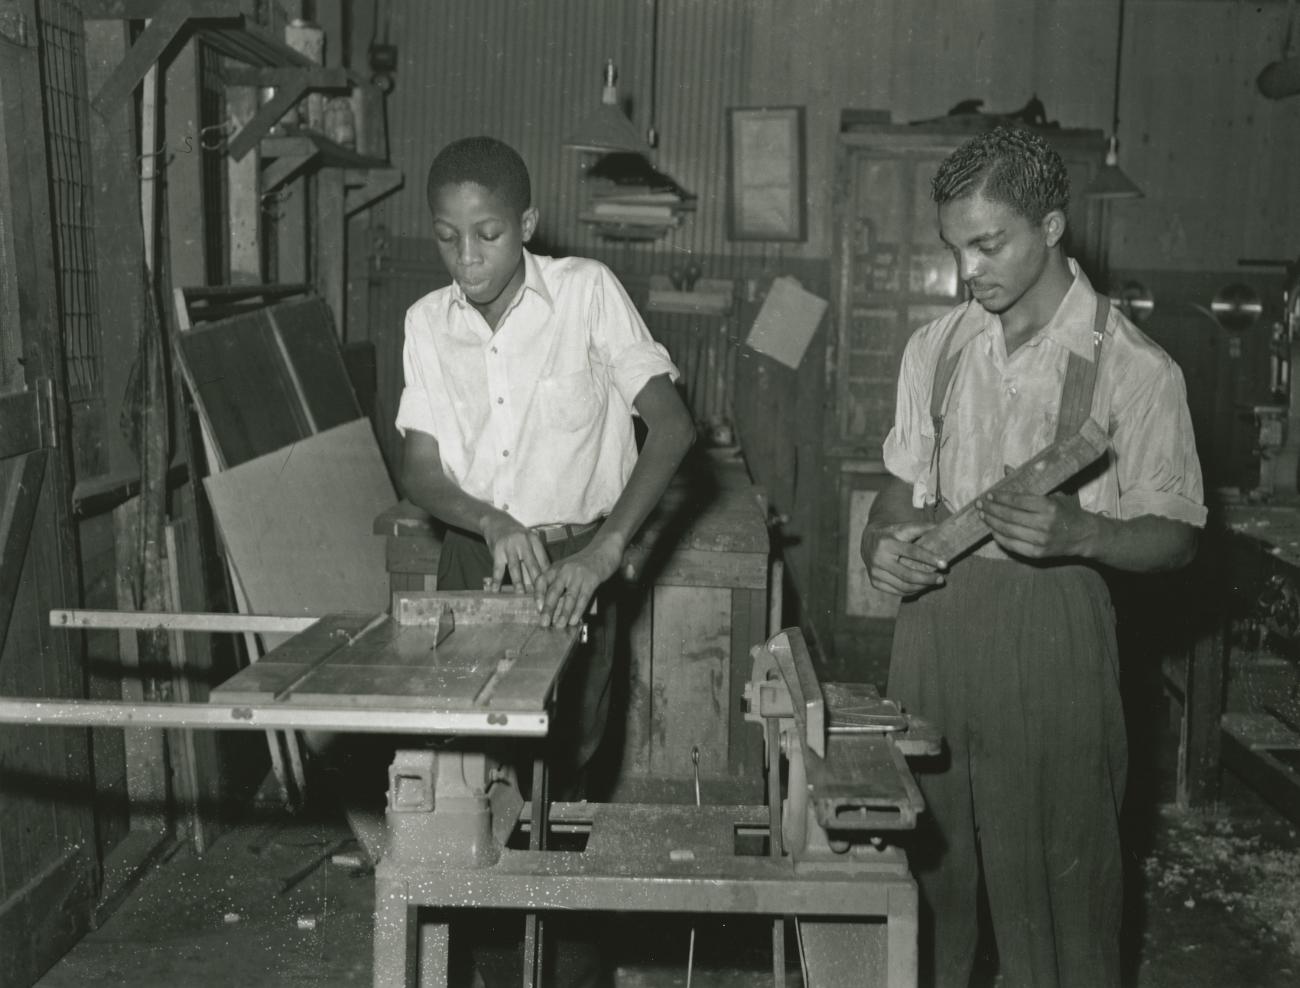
{"x":170,"y":621}
{"x":280,"y":716}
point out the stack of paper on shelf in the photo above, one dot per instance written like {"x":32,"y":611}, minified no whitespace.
{"x":627,"y":193}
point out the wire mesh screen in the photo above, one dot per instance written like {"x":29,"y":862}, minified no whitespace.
{"x":63,"y":78}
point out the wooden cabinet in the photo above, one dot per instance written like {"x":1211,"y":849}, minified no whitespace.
{"x":892,"y":272}
{"x":687,"y":621}
{"x":700,"y":607}
{"x":891,"y":275}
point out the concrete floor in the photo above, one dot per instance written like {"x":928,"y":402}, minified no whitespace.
{"x":1213,"y":900}
{"x":1217,"y":903}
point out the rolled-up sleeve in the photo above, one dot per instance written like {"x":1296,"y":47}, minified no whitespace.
{"x":415,"y":410}
{"x":1154,"y":446}
{"x":623,"y":340}
{"x":910,"y":443}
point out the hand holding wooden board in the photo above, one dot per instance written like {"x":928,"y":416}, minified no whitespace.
{"x":1041,"y":475}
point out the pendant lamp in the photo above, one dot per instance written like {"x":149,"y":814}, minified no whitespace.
{"x":607,"y":128}
{"x":1111,"y":182}
{"x":1282,"y":78}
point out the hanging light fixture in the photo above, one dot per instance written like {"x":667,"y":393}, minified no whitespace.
{"x":1111,"y":182}
{"x":607,"y":127}
{"x":1282,"y":78}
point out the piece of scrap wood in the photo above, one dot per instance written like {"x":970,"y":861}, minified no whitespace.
{"x":1047,"y":471}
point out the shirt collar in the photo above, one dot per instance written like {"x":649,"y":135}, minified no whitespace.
{"x":1070,"y":326}
{"x":533,"y":281}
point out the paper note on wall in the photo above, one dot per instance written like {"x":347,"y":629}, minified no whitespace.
{"x":786,"y":322}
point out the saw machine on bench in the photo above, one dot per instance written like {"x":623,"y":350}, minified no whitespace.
{"x":457,"y":834}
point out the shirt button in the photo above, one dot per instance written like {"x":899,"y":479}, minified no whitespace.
{"x":505,"y":452}
{"x":505,"y":507}
{"x":501,"y":401}
{"x":1011,"y":389}
{"x":494,"y":349}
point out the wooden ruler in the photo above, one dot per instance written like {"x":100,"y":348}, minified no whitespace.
{"x":1047,"y":471}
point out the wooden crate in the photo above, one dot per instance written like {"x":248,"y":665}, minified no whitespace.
{"x":702,"y":605}
{"x":687,"y":623}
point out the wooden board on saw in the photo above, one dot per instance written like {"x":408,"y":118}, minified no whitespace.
{"x":296,"y":525}
{"x":497,"y":658}
{"x":964,"y":530}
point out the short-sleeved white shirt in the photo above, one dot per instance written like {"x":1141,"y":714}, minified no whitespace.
{"x":1002,"y":411}
{"x":536,"y":418}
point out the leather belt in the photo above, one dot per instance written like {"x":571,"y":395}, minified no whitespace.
{"x":560,"y":532}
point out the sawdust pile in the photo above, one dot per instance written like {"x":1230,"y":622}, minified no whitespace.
{"x":1210,"y":858}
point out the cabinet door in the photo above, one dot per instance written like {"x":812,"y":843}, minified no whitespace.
{"x":895,"y":275}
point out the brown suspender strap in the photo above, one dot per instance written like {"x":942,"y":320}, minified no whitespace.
{"x":1076,"y":390}
{"x":939,"y":393}
{"x":1081,"y":378}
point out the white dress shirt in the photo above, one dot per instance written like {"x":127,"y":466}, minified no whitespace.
{"x":536,"y":418}
{"x":1002,"y":411}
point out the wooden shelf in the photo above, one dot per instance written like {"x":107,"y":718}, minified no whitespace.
{"x":310,"y":144}
{"x":291,"y":154}
{"x":710,"y":296}
{"x":627,"y":231}
{"x":223,"y":24}
{"x":250,"y":44}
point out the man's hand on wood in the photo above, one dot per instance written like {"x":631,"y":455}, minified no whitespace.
{"x":565,"y":590}
{"x":515,"y":550}
{"x":1038,"y":526}
{"x":895,"y":564}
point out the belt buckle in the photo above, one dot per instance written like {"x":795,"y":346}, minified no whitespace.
{"x":559,"y":531}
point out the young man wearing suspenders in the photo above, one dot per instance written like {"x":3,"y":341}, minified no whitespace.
{"x":1011,"y":650}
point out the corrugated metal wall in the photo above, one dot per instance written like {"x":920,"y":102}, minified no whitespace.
{"x":527,"y":72}
{"x":1217,"y":160}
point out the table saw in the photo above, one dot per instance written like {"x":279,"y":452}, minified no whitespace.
{"x":468,"y":668}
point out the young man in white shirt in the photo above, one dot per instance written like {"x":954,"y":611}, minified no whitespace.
{"x":522,"y":380}
{"x":1011,"y":651}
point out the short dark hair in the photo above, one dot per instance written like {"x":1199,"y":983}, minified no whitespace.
{"x":1010,"y":165}
{"x":484,"y":161}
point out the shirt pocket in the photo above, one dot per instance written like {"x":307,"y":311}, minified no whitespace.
{"x":570,"y":402}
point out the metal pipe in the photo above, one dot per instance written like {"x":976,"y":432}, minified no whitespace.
{"x":175,"y":621}
{"x":280,"y":716}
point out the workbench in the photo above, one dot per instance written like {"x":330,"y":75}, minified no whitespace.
{"x":474,"y":667}
{"x":1251,"y":695}
{"x":699,"y":599}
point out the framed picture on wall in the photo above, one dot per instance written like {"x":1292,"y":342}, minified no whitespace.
{"x":766,"y":173}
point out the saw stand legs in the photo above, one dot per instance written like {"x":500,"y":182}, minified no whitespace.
{"x":449,"y":817}
{"x":448,"y":810}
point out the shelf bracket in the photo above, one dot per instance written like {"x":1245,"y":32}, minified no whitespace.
{"x":266,"y":117}
{"x":291,"y":84}
{"x":379,"y":182}
{"x":166,"y":23}
{"x":285,"y":169}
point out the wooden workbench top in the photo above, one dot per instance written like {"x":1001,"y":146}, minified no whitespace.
{"x":1275,"y":527}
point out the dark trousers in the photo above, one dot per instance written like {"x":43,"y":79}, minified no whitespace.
{"x":1017,"y":666}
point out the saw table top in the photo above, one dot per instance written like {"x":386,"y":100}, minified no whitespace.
{"x":496,"y":659}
